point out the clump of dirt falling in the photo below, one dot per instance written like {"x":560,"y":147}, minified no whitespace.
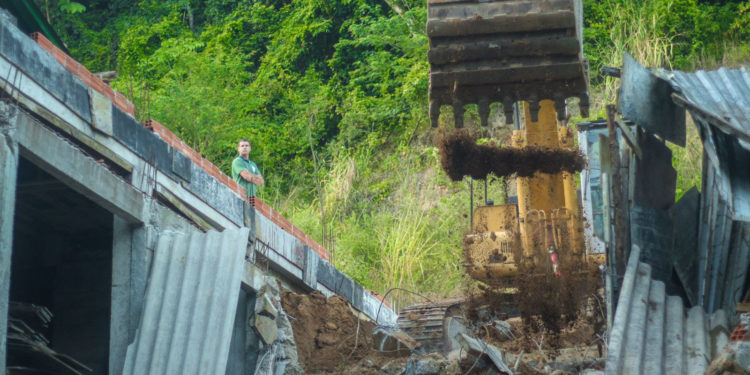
{"x":327,"y":333}
{"x":550,"y":304}
{"x":461,"y":156}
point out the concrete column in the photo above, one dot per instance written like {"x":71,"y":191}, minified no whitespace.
{"x":122,"y":239}
{"x":9,"y":172}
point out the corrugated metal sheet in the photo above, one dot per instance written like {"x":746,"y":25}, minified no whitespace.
{"x":191,"y":300}
{"x":645,"y":99}
{"x":591,"y":186}
{"x":723,"y":248}
{"x":654,"y":334}
{"x":722,"y":96}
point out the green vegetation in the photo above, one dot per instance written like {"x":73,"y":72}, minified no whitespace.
{"x":333,"y":96}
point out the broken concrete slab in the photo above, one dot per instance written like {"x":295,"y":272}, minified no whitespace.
{"x":287,"y":354}
{"x":266,"y":307}
{"x":453,"y":326}
{"x":393,"y":342}
{"x":479,"y":347}
{"x":502,"y":330}
{"x":266,"y":328}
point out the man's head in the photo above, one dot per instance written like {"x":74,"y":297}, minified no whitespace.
{"x":243,"y":148}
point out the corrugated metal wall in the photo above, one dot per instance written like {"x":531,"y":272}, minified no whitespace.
{"x":191,"y":300}
{"x":654,"y":334}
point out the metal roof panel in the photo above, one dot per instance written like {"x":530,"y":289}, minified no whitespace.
{"x":191,"y":300}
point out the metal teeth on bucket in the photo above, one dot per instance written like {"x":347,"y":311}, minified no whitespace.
{"x":485,"y":51}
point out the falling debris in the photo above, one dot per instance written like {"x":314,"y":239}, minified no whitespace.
{"x":460,"y":156}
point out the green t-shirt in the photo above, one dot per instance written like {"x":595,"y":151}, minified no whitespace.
{"x":238,"y":165}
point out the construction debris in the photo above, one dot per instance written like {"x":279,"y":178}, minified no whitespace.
{"x":479,"y":348}
{"x":28,"y":348}
{"x":393,"y":342}
{"x":278,"y":352}
{"x":734,"y":358}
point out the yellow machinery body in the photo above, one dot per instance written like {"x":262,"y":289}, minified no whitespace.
{"x":546,"y":220}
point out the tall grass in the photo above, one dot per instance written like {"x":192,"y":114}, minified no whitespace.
{"x":688,"y":161}
{"x":635,"y":29}
{"x":394,"y":222}
{"x":405,"y":244}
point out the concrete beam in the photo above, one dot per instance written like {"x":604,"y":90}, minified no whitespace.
{"x":9,"y":172}
{"x":191,"y":205}
{"x":122,"y":239}
{"x":82,"y":173}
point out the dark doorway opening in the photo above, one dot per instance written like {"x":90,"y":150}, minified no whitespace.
{"x":61,"y":262}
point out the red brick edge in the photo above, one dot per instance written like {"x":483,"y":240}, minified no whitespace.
{"x":282,"y":222}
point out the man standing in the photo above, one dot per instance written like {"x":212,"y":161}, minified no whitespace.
{"x":244,"y":171}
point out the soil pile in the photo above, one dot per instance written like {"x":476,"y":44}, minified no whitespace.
{"x":328,"y":335}
{"x":461,"y":156}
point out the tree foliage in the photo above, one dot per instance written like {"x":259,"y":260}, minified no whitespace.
{"x":334,"y":93}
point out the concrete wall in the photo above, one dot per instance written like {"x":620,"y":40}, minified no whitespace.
{"x":8,"y":169}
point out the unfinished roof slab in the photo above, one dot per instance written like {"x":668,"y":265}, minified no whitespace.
{"x":79,"y":171}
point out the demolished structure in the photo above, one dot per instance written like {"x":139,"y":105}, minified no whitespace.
{"x":672,"y":307}
{"x":125,"y":251}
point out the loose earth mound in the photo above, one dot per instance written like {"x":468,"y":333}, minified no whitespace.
{"x":328,"y":335}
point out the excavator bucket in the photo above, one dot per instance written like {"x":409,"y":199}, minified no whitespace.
{"x":505,"y":51}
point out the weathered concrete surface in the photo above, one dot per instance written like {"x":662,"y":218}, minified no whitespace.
{"x":23,"y":52}
{"x":80,"y":172}
{"x":241,"y":360}
{"x":101,"y":112}
{"x":277,"y":351}
{"x":266,"y":328}
{"x":8,"y":171}
{"x":122,"y":236}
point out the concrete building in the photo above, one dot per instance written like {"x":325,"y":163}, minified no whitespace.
{"x":144,"y":252}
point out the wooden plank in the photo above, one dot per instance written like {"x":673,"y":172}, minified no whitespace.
{"x":630,"y":138}
{"x":621,"y":227}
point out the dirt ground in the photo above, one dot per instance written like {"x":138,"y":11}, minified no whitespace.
{"x":330,"y":338}
{"x":331,"y":341}
{"x":461,"y":156}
